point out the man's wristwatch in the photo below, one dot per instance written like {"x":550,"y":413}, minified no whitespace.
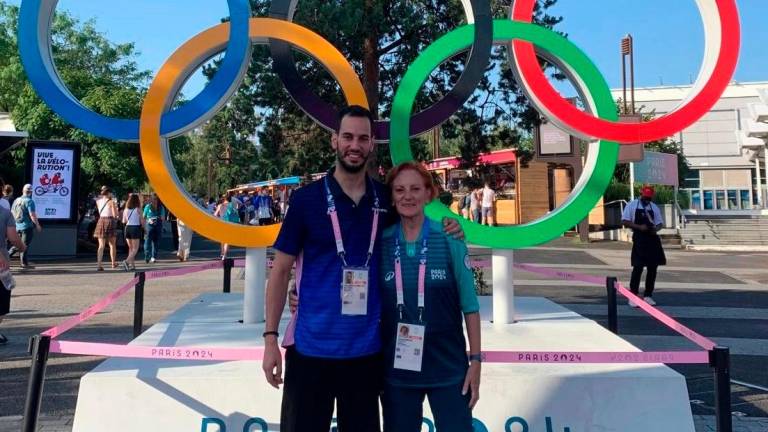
{"x":476,"y":357}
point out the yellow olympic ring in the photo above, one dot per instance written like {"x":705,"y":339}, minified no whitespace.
{"x":164,"y":88}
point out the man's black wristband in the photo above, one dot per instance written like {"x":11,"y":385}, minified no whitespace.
{"x":276,"y":334}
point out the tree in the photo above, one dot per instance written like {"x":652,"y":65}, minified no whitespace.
{"x":380,"y":38}
{"x":101,"y":74}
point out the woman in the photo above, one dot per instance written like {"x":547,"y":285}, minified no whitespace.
{"x":106,"y":227}
{"x":424,"y":345}
{"x":154,"y":215}
{"x":133,"y":221}
{"x":227,"y":210}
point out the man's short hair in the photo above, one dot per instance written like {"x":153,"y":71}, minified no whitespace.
{"x":355,"y":111}
{"x":8,"y":189}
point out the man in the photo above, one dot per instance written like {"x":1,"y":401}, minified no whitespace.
{"x":489,"y":196}
{"x":644,"y":218}
{"x":7,"y":233}
{"x":333,"y":343}
{"x":23,"y":210}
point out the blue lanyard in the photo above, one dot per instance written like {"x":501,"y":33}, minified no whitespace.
{"x":422,"y":270}
{"x":337,"y":226}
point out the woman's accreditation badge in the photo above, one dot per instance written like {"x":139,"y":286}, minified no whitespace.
{"x":409,"y":346}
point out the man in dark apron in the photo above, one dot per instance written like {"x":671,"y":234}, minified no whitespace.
{"x":644,"y":218}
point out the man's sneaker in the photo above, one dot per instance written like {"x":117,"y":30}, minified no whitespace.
{"x":650,"y":301}
{"x":632,"y":304}
{"x":3,"y":339}
{"x":152,"y":260}
{"x":27,"y":267}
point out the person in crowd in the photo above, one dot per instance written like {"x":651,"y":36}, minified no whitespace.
{"x":264,"y":207}
{"x":27,"y":223}
{"x":154,"y":215}
{"x":212,"y":204}
{"x":424,"y":346}
{"x":643,"y":216}
{"x":488,"y":198}
{"x":8,"y":233}
{"x":185,"y":241}
{"x":174,"y":222}
{"x":133,"y":219}
{"x":476,"y":196}
{"x":228,"y":211}
{"x":7,"y":197}
{"x":106,"y":227}
{"x":334,"y":343}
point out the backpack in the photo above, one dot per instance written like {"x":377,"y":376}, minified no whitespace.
{"x":19,"y":210}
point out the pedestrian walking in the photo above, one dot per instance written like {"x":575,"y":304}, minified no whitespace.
{"x":106,"y":227}
{"x":489,"y":198}
{"x":27,"y":223}
{"x":8,"y":233}
{"x":133,"y":219}
{"x":228,"y":210}
{"x":174,"y":221}
{"x":644,"y":218}
{"x":7,"y":198}
{"x":185,"y":241}
{"x":154,"y":215}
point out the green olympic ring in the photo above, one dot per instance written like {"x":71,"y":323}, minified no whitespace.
{"x":602,"y":155}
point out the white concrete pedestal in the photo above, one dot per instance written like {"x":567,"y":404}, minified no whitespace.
{"x":128,"y":395}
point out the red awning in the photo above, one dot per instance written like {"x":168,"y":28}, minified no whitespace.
{"x":497,"y":157}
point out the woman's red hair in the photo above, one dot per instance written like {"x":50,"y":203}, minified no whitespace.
{"x":420,"y":170}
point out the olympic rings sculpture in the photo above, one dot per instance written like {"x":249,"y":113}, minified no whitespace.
{"x":158,"y":122}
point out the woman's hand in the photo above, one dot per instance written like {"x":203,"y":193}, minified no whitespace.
{"x":472,"y":383}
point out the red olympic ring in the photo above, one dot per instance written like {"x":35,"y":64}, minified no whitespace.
{"x":572,"y":118}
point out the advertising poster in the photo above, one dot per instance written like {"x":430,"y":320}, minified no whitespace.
{"x":53,"y":173}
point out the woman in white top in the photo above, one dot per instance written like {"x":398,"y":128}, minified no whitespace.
{"x":134,"y":221}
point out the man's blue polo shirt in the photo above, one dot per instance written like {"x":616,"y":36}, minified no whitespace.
{"x":307,"y":233}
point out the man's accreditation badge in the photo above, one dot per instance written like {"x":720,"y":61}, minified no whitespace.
{"x":354,"y":291}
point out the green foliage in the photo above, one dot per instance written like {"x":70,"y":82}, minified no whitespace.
{"x":103,"y":75}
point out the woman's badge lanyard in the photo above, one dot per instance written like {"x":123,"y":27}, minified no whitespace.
{"x":354,"y":280}
{"x":409,"y":340}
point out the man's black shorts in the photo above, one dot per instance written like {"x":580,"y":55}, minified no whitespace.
{"x":312,"y":385}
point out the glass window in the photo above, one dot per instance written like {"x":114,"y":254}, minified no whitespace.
{"x":721,"y":204}
{"x":745,"y":199}
{"x":692,"y":180}
{"x":709,"y":203}
{"x":696,"y":199}
{"x":733,"y":200}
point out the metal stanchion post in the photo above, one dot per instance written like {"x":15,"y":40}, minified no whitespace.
{"x":138,"y":305}
{"x":613,"y":313}
{"x":228,"y":264}
{"x":39,"y":348}
{"x":720,"y":360}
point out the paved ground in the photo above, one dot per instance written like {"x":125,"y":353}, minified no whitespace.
{"x":724,"y":296}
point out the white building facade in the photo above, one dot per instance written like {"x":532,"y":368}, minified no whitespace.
{"x":725,"y":149}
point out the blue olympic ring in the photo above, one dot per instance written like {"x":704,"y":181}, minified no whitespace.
{"x":34,"y":38}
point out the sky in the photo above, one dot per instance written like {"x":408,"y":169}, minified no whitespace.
{"x":668,"y":34}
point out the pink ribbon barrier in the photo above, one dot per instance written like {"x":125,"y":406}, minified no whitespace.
{"x":159,"y":274}
{"x":694,"y":337}
{"x":148,"y":352}
{"x":257,"y":353}
{"x":667,"y":357}
{"x":91,"y":310}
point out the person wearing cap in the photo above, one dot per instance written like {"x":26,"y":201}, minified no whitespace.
{"x":23,"y":210}
{"x":644,"y":218}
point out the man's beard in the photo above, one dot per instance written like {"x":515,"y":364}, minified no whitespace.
{"x":352,"y":169}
